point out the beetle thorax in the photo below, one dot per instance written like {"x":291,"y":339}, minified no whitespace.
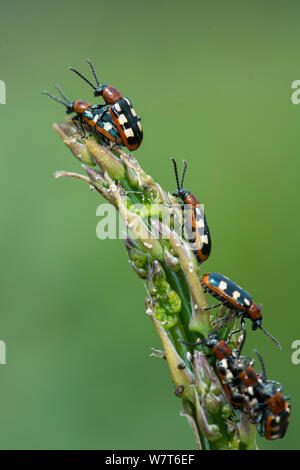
{"x":255,"y":312}
{"x":111,"y":94}
{"x":277,"y":403}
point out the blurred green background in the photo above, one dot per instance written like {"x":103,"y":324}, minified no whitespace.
{"x":212,"y":82}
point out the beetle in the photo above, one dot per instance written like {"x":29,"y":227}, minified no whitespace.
{"x":234,"y":297}
{"x":232,"y":368}
{"x":195,"y":221}
{"x":266,"y":406}
{"x":225,"y":359}
{"x":120,"y":108}
{"x":251,"y":392}
{"x":247,"y":390}
{"x":97,"y":119}
{"x":275,"y":417}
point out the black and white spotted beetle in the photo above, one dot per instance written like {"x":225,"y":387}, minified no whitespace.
{"x":267,"y":407}
{"x":234,"y":297}
{"x":194,"y":218}
{"x":121,"y":112}
{"x":248,"y":390}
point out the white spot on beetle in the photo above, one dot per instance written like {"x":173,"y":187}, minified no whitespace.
{"x":133,"y":112}
{"x":204,"y":239}
{"x":129,"y":132}
{"x":122,"y":119}
{"x":229,"y":375}
{"x":118,"y":107}
{"x":246,"y":301}
{"x":236,"y":294}
{"x":222,"y":285}
{"x":107,"y":126}
{"x":223,"y":363}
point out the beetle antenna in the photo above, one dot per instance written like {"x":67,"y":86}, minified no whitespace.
{"x":261,"y":363}
{"x":183,"y":173}
{"x":193,"y":345}
{"x":62,"y":94}
{"x":93,"y":72}
{"x":176,"y":173}
{"x":83,"y":77}
{"x":271,"y":337}
{"x":55,"y":99}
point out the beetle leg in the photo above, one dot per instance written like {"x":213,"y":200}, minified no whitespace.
{"x":222,"y":320}
{"x":75,"y":120}
{"x":211,"y":307}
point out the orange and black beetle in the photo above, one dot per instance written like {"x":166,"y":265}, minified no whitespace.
{"x":122,"y":113}
{"x":195,"y":224}
{"x":235,"y":298}
{"x":116,"y":120}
